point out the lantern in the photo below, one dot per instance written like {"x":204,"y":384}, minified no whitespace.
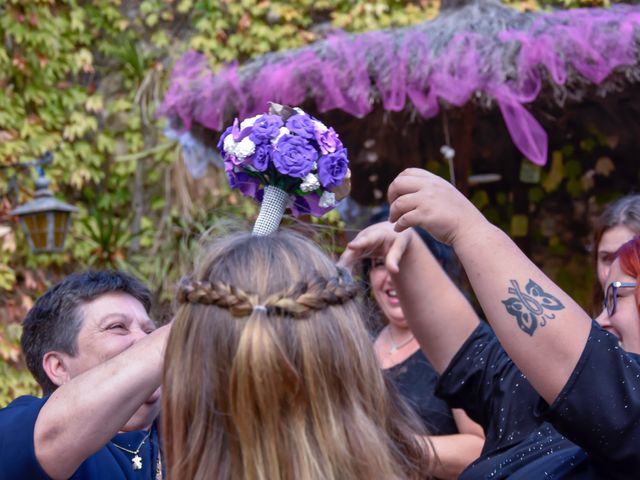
{"x":45,"y":220}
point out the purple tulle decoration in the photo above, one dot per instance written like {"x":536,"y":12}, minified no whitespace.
{"x":482,"y":50}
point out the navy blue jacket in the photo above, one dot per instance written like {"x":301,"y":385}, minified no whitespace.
{"x":18,"y":460}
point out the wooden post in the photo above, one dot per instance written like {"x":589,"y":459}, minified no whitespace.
{"x":462,"y":143}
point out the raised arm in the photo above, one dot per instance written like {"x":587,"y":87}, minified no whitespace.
{"x":82,"y":415}
{"x":440,"y":316}
{"x":542,"y":329}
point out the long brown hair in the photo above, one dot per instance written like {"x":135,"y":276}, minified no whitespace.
{"x":270,"y":374}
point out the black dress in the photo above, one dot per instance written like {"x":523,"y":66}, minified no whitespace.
{"x":416,"y":380}
{"x":597,"y":411}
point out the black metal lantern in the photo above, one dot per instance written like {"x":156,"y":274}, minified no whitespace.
{"x":45,"y":220}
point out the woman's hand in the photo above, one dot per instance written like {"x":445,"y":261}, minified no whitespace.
{"x":420,"y":198}
{"x":379,"y":240}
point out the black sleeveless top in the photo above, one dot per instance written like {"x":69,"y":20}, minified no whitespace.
{"x":416,"y":380}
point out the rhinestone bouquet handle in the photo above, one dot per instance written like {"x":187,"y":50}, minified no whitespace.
{"x":272,"y":210}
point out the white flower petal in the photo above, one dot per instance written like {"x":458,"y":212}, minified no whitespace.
{"x":229,"y":144}
{"x":319,"y":126}
{"x":310,"y":183}
{"x":283,"y":131}
{"x":248,"y":122}
{"x":245,"y":148}
{"x":327,"y":200}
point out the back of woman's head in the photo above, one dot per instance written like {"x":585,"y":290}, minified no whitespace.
{"x":629,"y":257}
{"x":270,"y":373}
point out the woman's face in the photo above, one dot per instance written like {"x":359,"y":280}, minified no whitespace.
{"x":625,"y":321}
{"x":611,"y":240}
{"x":385,"y":293}
{"x":112,"y":323}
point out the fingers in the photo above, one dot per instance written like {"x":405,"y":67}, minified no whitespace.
{"x":409,"y":181}
{"x":403,"y":205}
{"x":372,"y":241}
{"x":365,"y":244}
{"x":407,"y":220}
{"x":396,"y":251}
{"x":355,"y":250}
{"x":348,"y":259}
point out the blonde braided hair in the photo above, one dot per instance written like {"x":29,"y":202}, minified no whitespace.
{"x":298,"y":301}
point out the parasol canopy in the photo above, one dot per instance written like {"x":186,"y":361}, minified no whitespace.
{"x":476,"y":52}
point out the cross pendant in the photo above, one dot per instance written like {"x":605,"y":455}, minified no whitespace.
{"x":137,"y":462}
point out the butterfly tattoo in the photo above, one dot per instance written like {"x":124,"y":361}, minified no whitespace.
{"x":531,"y":307}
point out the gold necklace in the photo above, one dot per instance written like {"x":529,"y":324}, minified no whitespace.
{"x":137,"y":459}
{"x":395,"y":347}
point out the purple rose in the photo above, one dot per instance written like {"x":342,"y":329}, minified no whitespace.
{"x":332,"y":168}
{"x":294,"y":156}
{"x":302,"y":124}
{"x":328,"y":140}
{"x":260,"y":159}
{"x":231,"y":160}
{"x":266,"y":128}
{"x":249,"y":186}
{"x":308,"y":205}
{"x":238,"y":134}
{"x":224,"y":135}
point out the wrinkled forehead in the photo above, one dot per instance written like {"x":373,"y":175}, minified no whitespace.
{"x":113,"y":305}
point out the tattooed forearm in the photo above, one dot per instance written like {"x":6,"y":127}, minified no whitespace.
{"x":531,"y":307}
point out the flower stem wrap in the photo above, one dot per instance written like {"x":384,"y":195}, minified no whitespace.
{"x":271,"y":212}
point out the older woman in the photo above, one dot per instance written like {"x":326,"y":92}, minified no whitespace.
{"x":97,"y":355}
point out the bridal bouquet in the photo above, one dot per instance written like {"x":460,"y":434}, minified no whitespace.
{"x":285,"y":158}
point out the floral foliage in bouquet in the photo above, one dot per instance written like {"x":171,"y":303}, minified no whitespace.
{"x":292,"y":151}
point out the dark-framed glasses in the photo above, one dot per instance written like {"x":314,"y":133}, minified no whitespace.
{"x":612,"y":293}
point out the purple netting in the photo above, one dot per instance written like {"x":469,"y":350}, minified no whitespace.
{"x":483,"y":50}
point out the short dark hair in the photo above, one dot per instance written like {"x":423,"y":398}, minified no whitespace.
{"x":54,"y":321}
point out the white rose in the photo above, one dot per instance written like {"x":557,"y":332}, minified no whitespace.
{"x":328,"y":199}
{"x":244,"y":148}
{"x":248,"y":122}
{"x":310,"y":183}
{"x":229,"y":144}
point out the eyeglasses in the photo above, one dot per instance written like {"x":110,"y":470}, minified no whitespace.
{"x":612,"y":293}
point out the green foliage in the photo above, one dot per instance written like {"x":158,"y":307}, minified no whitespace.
{"x":83,"y":79}
{"x":237,"y":31}
{"x":15,"y":380}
